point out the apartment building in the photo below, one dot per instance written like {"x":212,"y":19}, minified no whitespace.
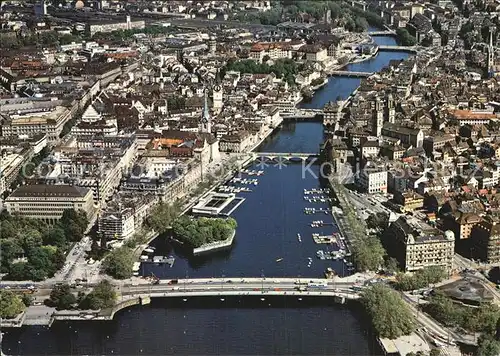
{"x":416,"y":244}
{"x":48,"y":202}
{"x":485,"y":240}
{"x":125,"y":215}
{"x":462,"y":223}
{"x":373,"y":180}
{"x":409,"y":200}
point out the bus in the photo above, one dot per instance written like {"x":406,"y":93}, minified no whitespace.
{"x":317,"y":285}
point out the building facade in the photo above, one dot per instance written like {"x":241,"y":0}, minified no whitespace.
{"x":416,"y":244}
{"x":48,"y":202}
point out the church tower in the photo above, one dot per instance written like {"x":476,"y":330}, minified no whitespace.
{"x":206,"y":121}
{"x":491,"y":54}
{"x":378,"y":118}
{"x":217,"y":93}
{"x":390,"y":109}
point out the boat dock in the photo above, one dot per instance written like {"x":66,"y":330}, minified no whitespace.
{"x":320,"y":223}
{"x":309,"y":211}
{"x":324,"y":239}
{"x":161,"y":260}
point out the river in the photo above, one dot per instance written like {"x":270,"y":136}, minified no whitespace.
{"x":268,"y":223}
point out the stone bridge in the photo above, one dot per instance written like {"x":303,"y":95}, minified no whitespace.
{"x":284,"y":156}
{"x":348,"y":73}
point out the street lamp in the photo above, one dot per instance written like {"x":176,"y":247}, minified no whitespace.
{"x":262,"y":275}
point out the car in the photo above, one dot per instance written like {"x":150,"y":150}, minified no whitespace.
{"x":229,"y":281}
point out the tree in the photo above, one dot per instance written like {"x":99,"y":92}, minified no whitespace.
{"x":74,"y":224}
{"x":391,"y":317}
{"x":435,"y":352}
{"x":378,"y":221}
{"x":405,"y":38}
{"x":162,"y":217}
{"x":103,"y":296}
{"x":444,"y":310}
{"x":197,"y":232}
{"x":368,"y":254}
{"x":421,"y":278}
{"x":27,"y":299}
{"x":488,"y":346}
{"x":119,"y":263}
{"x":391,"y":265}
{"x":55,"y":236}
{"x":10,"y":305}
{"x":61,"y":297}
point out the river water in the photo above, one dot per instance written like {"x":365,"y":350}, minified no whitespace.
{"x":268,"y":223}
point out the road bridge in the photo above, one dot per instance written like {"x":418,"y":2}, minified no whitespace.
{"x":284,"y":156}
{"x":308,"y":114}
{"x":382,"y":33}
{"x":411,"y":49}
{"x":244,"y":287}
{"x":348,"y":73}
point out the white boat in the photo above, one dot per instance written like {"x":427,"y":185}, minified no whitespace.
{"x":149,"y":250}
{"x":222,"y":299}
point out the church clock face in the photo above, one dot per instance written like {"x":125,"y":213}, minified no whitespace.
{"x":217,"y":88}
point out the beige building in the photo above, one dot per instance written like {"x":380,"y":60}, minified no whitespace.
{"x":486,"y":240}
{"x":111,"y":26}
{"x":416,"y":244}
{"x":30,"y":124}
{"x":315,"y":53}
{"x":274,"y":50}
{"x":48,"y":202}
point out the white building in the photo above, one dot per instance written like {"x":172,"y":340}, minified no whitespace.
{"x":373,"y":180}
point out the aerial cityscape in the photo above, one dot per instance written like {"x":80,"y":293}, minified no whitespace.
{"x":258,"y":177}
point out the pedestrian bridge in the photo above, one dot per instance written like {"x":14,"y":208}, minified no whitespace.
{"x":348,"y":73}
{"x":284,"y":156}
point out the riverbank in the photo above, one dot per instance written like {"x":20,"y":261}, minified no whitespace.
{"x":269,"y":222}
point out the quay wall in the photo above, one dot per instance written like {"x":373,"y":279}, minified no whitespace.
{"x":214,"y":246}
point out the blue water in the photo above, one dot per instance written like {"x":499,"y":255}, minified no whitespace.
{"x":268,"y":222}
{"x":343,"y":86}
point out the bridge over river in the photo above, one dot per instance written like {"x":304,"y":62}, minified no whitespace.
{"x":244,"y":287}
{"x":284,"y":156}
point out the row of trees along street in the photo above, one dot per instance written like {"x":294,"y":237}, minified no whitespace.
{"x":33,"y":250}
{"x":484,"y":319}
{"x":102,"y":296}
{"x":119,"y":262}
{"x":11,"y":305}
